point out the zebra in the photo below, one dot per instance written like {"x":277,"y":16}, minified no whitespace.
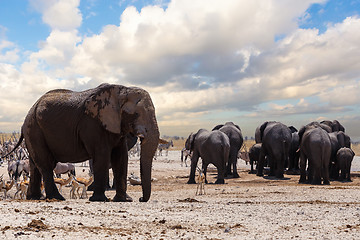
{"x":165,"y":146}
{"x":185,"y":153}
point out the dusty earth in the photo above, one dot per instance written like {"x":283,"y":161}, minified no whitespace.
{"x":249,"y":207}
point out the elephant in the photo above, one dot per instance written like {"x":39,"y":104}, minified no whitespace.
{"x":293,"y":161}
{"x":69,"y":126}
{"x":338,"y":140}
{"x":334,"y":125}
{"x":254,"y":154}
{"x":213,"y":147}
{"x":236,"y":141}
{"x":276,"y":140}
{"x":315,"y":145}
{"x":344,"y":158}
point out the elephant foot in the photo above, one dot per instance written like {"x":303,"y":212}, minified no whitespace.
{"x":56,"y":197}
{"x":326,"y":182}
{"x":34,"y":197}
{"x":98,"y":198}
{"x":191,"y":181}
{"x":236,"y":175}
{"x":220,"y":181}
{"x":252,"y":172}
{"x":260,"y":174}
{"x":123,"y":198}
{"x":302,"y":179}
{"x":281,"y":176}
{"x":316,"y":182}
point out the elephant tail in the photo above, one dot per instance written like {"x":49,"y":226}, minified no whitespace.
{"x":17,"y":145}
{"x":226,"y":154}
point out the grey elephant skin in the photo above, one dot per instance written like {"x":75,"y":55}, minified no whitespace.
{"x":276,"y":140}
{"x":213,"y":147}
{"x":293,"y":162}
{"x":344,"y":157}
{"x":335,"y":125}
{"x":68,"y":126}
{"x":254,"y":155}
{"x":315,"y":146}
{"x":338,"y":140}
{"x":236,"y":139}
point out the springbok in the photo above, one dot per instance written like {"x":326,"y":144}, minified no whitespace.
{"x":200,"y":190}
{"x":84,"y":183}
{"x":60,"y":182}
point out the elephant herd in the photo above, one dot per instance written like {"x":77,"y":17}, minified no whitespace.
{"x":102,"y":123}
{"x":322,"y":147}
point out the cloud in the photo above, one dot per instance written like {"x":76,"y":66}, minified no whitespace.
{"x":62,"y":15}
{"x":201,"y":60}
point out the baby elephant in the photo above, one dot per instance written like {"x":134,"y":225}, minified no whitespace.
{"x":344,"y":158}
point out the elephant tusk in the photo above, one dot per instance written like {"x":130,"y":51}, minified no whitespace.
{"x":298,"y":150}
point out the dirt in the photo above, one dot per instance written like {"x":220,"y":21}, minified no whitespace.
{"x":248,"y":207}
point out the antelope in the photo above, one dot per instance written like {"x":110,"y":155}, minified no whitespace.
{"x":6,"y":186}
{"x":21,"y":187}
{"x":60,"y":182}
{"x":200,"y":182}
{"x":84,"y":183}
{"x":75,"y":187}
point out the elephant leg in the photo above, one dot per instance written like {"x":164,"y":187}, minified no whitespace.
{"x":325,"y":174}
{"x":46,"y":165}
{"x":260,"y":163}
{"x":221,"y":174}
{"x":194,"y":162}
{"x":101,"y":170}
{"x":119,"y":163}
{"x":315,"y":173}
{"x":234,"y":161}
{"x":302,"y":168}
{"x":34,"y":190}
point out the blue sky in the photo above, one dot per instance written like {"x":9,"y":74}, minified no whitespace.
{"x":203,"y":62}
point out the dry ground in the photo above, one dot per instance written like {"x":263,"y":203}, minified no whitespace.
{"x":249,"y":207}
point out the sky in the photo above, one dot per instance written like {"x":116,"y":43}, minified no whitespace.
{"x":204,"y":62}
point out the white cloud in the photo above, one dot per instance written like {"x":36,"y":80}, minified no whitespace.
{"x":197,"y":59}
{"x":62,"y":15}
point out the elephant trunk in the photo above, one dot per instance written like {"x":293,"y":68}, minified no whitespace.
{"x":148,"y":148}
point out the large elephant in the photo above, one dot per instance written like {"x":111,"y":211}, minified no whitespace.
{"x":334,"y":125}
{"x":276,"y":140}
{"x":315,"y":146}
{"x":344,"y":158}
{"x":338,"y":140}
{"x":234,"y":134}
{"x":68,"y":126}
{"x":213,"y":147}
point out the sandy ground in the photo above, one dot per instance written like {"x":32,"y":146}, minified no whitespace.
{"x":249,"y":207}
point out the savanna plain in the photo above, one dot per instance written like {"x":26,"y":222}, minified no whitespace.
{"x":248,"y":207}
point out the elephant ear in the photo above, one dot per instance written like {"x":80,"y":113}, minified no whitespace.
{"x":293,"y":129}
{"x":217,"y":127}
{"x":262,"y":129}
{"x":343,"y":139}
{"x":104,"y":104}
{"x":301,"y":133}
